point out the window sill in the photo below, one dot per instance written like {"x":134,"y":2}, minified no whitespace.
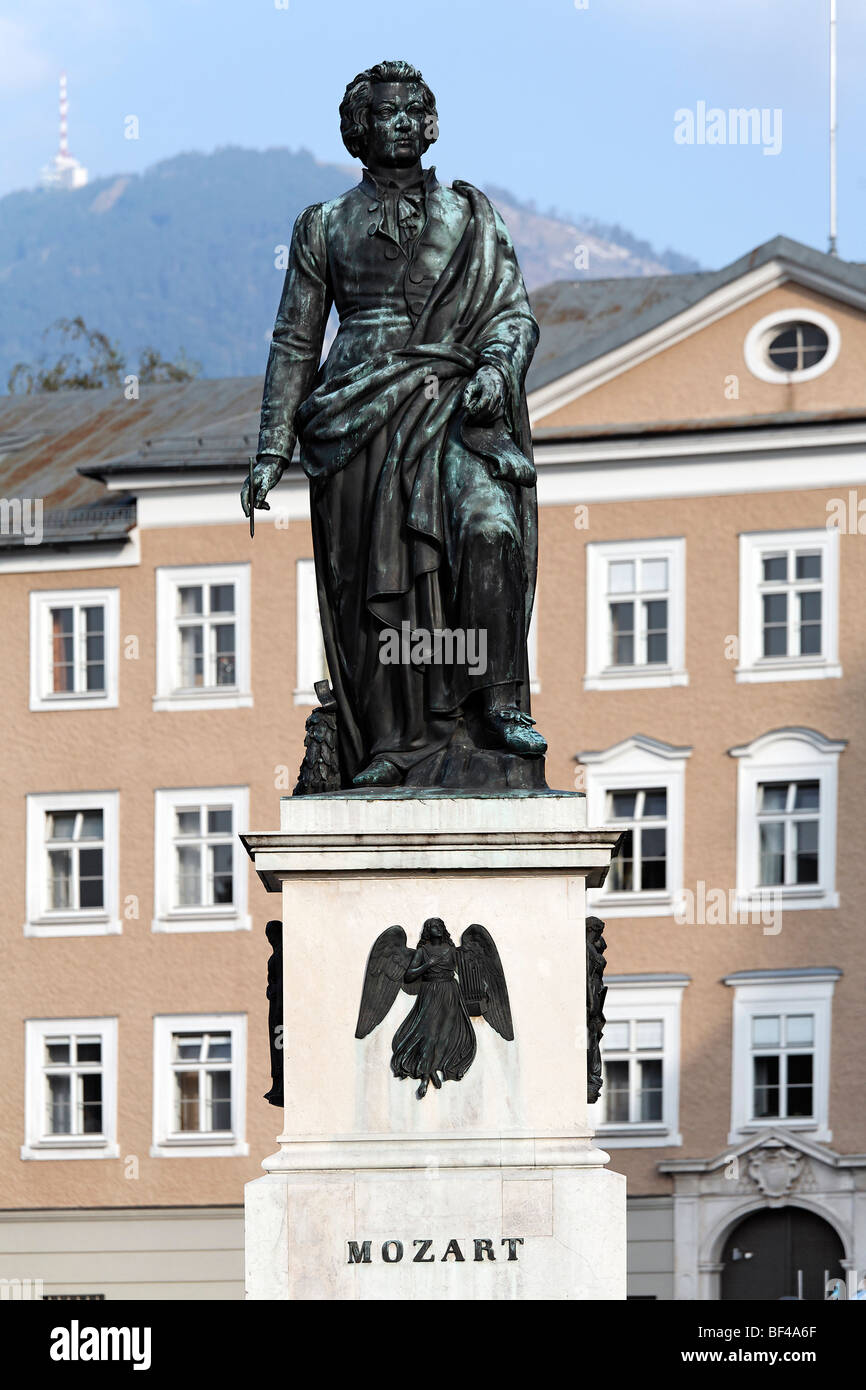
{"x":91,"y":700}
{"x":70,"y":1149}
{"x":789,"y":899}
{"x":632,"y":904}
{"x":204,"y":699}
{"x":196,"y":921}
{"x":73,"y":926}
{"x":200,"y":1146}
{"x":635,"y":678}
{"x":793,"y":670}
{"x":637,"y":1137}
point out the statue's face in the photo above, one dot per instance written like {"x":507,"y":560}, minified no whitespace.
{"x":437,"y":933}
{"x":395,"y":125}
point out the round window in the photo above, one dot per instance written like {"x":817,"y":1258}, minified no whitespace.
{"x":797,"y":346}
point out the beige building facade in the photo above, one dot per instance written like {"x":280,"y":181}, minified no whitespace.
{"x":698,"y":653}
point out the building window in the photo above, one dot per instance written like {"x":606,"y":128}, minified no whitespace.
{"x":199,"y":1084}
{"x":789,"y":598}
{"x":781,"y":1059}
{"x":792,"y":345}
{"x":203,"y":637}
{"x":786,"y":819}
{"x":201,"y":872}
{"x":635,"y":614}
{"x":311,"y":663}
{"x":638,"y":786}
{"x":639,"y":1103}
{"x":71,"y":1088}
{"x":73,"y":649}
{"x":72,"y":847}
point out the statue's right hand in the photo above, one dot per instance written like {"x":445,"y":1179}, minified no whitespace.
{"x":266,"y":474}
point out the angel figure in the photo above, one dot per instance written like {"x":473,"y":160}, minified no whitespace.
{"x":436,"y":1041}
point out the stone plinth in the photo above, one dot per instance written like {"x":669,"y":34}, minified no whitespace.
{"x":504,"y":1155}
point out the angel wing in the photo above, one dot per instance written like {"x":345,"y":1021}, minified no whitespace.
{"x":386,"y":966}
{"x":482,"y":979}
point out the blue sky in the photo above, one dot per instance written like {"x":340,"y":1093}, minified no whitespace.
{"x":571,"y":106}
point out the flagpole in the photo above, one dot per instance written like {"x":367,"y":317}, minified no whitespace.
{"x":833,"y":229}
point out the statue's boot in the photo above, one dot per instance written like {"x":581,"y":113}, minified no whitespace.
{"x":513,"y":730}
{"x":435,"y":1079}
{"x":380,"y":773}
{"x":422,"y":1089}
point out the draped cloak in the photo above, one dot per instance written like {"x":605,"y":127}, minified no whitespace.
{"x":383,"y":437}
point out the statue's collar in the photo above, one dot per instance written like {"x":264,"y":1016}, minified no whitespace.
{"x":426,"y":183}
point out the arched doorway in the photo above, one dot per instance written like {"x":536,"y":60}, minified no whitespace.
{"x":763,"y":1253}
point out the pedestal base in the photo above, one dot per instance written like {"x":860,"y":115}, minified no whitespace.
{"x":455,"y":1234}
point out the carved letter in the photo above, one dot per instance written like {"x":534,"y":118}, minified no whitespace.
{"x":453,"y":1249}
{"x":398,"y":1252}
{"x":512,"y":1242}
{"x":359,"y":1254}
{"x":482,"y":1248}
{"x":419,"y":1258}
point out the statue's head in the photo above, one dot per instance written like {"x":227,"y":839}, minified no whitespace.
{"x":434,"y":932}
{"x":388,"y":115}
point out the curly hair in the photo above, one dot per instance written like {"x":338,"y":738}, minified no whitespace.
{"x":426,"y":929}
{"x":355,"y":106}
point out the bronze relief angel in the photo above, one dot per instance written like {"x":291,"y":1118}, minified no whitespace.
{"x":452,"y":984}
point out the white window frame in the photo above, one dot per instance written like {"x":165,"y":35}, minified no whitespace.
{"x":310,"y":665}
{"x":645,"y":997}
{"x":169,"y":1143}
{"x":638,"y":763}
{"x":217,"y":917}
{"x":786,"y":755}
{"x":42,"y":697}
{"x":753,"y":665}
{"x":168,"y":696}
{"x":760,"y":992}
{"x":600,"y":674}
{"x":761,"y":334}
{"x":38,"y":1144}
{"x":45,"y":921}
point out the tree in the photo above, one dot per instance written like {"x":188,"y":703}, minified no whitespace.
{"x":96,"y":363}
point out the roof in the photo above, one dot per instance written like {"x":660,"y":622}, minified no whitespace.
{"x":582,"y":320}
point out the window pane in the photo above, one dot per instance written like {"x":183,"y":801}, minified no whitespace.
{"x":766,"y":1095}
{"x":62,"y":650}
{"x":775,"y":624}
{"x":57,"y":1049}
{"x":806,"y":867}
{"x":61,"y":825}
{"x":808,"y":567}
{"x":653,"y":869}
{"x":799,"y":1087}
{"x":60,"y":879}
{"x":655,"y":802}
{"x":189,"y":876}
{"x":772,"y":849}
{"x":91,"y":1103}
{"x":650,"y":1032}
{"x":219,"y":822}
{"x":654,"y":575}
{"x":88,"y":1050}
{"x":188,"y":820}
{"x":186,"y":1100}
{"x":615,"y":1092}
{"x":656,"y":612}
{"x":806,"y":797}
{"x":799,"y":1029}
{"x":622,"y":634}
{"x":188,"y":1047}
{"x":765,"y":1031}
{"x":222,"y":598}
{"x":94,"y":648}
{"x":621,"y":875}
{"x":650,"y":1090}
{"x":59,"y":1118}
{"x":219,"y":1048}
{"x":620,"y":577}
{"x":615,"y":1036}
{"x":220,"y":1099}
{"x":221,"y":872}
{"x":191,"y":657}
{"x":773,"y":796}
{"x":90,"y":884}
{"x":775,"y":568}
{"x":189,"y":600}
{"x":91,"y":825}
{"x":621,"y":805}
{"x":225,"y":654}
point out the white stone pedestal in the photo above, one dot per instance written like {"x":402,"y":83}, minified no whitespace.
{"x":499,"y":1168}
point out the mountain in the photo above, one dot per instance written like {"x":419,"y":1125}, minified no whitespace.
{"x":185,"y":254}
